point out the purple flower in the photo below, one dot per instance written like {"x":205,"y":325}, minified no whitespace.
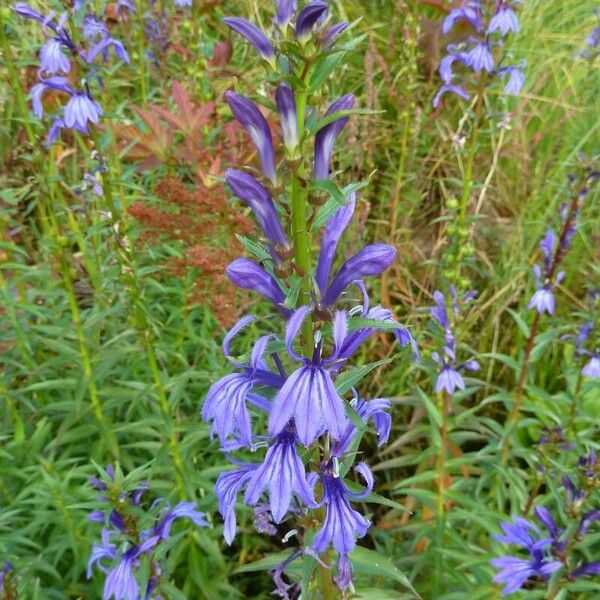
{"x":284,"y":12}
{"x":479,"y":58}
{"x":52,"y":59}
{"x":345,"y":575}
{"x":449,"y":88}
{"x":575,"y":497}
{"x":286,"y":106}
{"x":505,"y":20}
{"x":468,"y":10}
{"x":254,"y":35}
{"x":59,"y":84}
{"x":514,"y":571}
{"x":229,"y":484}
{"x":543,"y":301}
{"x":592,"y":368}
{"x":258,"y":198}
{"x":182,"y":510}
{"x":333,"y":33}
{"x":120,"y":582}
{"x":516,"y":80}
{"x":250,"y":117}
{"x":354,"y":339}
{"x":100,"y":552}
{"x":248,"y":275}
{"x":448,"y":380}
{"x":103,"y":46}
{"x":6,"y":569}
{"x":226,"y":401}
{"x":334,"y":229}
{"x":308,"y":18}
{"x":80,"y":110}
{"x":375,"y":410}
{"x":308,"y":395}
{"x":326,"y":136}
{"x":282,"y":473}
{"x":342,"y":523}
{"x":368,"y":262}
{"x":586,"y":520}
{"x":586,"y":569}
{"x":183,"y":3}
{"x":24,"y":10}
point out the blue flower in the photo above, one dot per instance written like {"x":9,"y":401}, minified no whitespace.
{"x":186,"y":510}
{"x":254,"y":35}
{"x":592,"y":368}
{"x":479,"y":58}
{"x":52,"y":58}
{"x":80,"y":110}
{"x":516,"y":80}
{"x":505,"y":20}
{"x":226,"y":401}
{"x":309,"y":16}
{"x":342,"y":523}
{"x":284,"y":12}
{"x":286,"y":107}
{"x":252,"y":120}
{"x":326,"y":136}
{"x":229,"y":484}
{"x":248,"y":275}
{"x":308,"y":395}
{"x":282,"y":473}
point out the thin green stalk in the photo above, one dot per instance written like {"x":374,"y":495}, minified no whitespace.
{"x":445,"y":403}
{"x":141,"y":51}
{"x":129,"y":274}
{"x":300,"y":232}
{"x":14,"y":82}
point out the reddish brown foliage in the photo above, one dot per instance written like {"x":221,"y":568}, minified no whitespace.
{"x":202,"y":222}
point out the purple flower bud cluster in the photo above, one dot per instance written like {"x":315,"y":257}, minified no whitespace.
{"x":449,"y":378}
{"x":6,"y":585}
{"x":132,"y":529}
{"x":587,"y":345}
{"x":295,"y":382}
{"x":554,"y":247}
{"x":555,"y":548}
{"x":592,"y":43}
{"x":56,"y":56}
{"x":487,"y":21}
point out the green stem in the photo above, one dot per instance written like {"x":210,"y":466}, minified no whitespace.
{"x":14,"y":81}
{"x":445,"y":403}
{"x":300,"y":232}
{"x":130,"y":279}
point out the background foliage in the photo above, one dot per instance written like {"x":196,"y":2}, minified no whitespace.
{"x":108,"y":358}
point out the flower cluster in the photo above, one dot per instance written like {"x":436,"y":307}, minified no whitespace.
{"x":131,"y":533}
{"x":554,"y":549}
{"x":592,"y":42}
{"x":554,"y":247}
{"x":487,"y":21}
{"x":296,"y":381}
{"x":584,"y":340}
{"x":62,"y":61}
{"x":7,"y":588}
{"x":449,"y":377}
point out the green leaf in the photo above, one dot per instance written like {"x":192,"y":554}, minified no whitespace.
{"x":254,"y":248}
{"x":328,"y":186}
{"x":265,"y":564}
{"x":348,"y":379}
{"x":324,"y":67}
{"x":340,"y":114}
{"x":369,"y":562}
{"x":523,"y":327}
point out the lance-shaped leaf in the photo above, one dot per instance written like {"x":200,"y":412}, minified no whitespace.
{"x":250,"y":117}
{"x":309,"y":16}
{"x":286,"y":106}
{"x":258,"y":198}
{"x":248,"y":275}
{"x":334,"y":229}
{"x":326,"y":137}
{"x":254,"y":35}
{"x":370,"y":261}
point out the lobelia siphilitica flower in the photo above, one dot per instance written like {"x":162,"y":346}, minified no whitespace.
{"x":67,"y":68}
{"x":134,"y":530}
{"x":586,"y":341}
{"x":486,"y":23}
{"x":555,"y":246}
{"x":449,"y":377}
{"x":298,"y":382}
{"x":553,"y":551}
{"x":592,"y":42}
{"x":8,"y":589}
